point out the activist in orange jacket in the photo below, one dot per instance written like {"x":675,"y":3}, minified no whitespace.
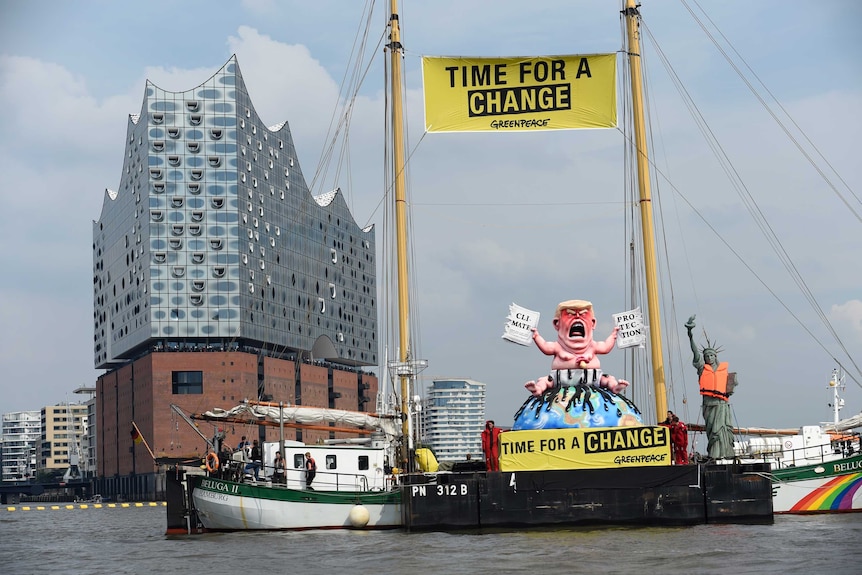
{"x":491,"y":446}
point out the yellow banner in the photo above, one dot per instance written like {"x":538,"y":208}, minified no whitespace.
{"x":596,"y":448}
{"x":519,"y":94}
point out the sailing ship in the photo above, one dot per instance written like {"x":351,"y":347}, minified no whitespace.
{"x":351,"y":488}
{"x":816,"y":468}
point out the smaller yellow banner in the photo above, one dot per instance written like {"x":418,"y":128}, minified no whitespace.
{"x":519,"y":94}
{"x":591,"y":448}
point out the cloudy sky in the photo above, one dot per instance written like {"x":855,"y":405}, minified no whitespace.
{"x":498,"y":218}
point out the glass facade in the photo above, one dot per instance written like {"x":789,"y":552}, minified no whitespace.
{"x":22,"y":433}
{"x":453,"y":417}
{"x":214,"y":241}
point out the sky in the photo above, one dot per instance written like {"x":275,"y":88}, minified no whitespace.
{"x":527,"y":218}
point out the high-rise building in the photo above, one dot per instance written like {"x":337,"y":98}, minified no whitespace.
{"x":63,"y":427}
{"x":88,"y":441}
{"x":218,"y":277}
{"x":22,"y":432}
{"x":453,"y":417}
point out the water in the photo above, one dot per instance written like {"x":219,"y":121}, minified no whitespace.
{"x":132,"y":541}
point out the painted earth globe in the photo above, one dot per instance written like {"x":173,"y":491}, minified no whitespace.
{"x":577,"y":406}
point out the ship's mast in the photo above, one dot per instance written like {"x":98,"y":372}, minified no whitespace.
{"x":400,"y":187}
{"x":837,"y":403}
{"x":632,"y":26}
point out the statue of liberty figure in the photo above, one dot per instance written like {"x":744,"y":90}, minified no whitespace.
{"x":716,"y":387}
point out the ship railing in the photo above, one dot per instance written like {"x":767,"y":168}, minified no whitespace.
{"x":326,"y":481}
{"x":812,"y":455}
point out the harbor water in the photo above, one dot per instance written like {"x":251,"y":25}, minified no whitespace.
{"x":131,"y":540}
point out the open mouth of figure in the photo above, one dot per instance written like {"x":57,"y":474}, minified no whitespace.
{"x":577,"y":329}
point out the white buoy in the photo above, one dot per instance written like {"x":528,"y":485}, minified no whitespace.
{"x":359,"y":516}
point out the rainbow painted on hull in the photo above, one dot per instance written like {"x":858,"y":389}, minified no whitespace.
{"x":828,"y":487}
{"x":834,"y":495}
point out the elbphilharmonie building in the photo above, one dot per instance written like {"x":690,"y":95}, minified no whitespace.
{"x":213,"y":237}
{"x":213,"y":243}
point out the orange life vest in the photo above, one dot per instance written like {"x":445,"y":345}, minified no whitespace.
{"x":714,"y":382}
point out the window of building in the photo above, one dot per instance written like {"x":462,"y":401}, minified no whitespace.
{"x":187,"y":382}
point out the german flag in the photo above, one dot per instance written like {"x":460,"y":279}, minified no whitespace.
{"x":136,"y":435}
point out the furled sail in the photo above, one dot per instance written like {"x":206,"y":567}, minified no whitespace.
{"x":844,"y":424}
{"x":309,"y":416}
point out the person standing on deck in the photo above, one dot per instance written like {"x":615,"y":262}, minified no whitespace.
{"x":679,"y":441}
{"x":491,"y":446}
{"x":278,"y":468}
{"x":256,"y":459}
{"x":715,"y":389}
{"x":310,"y":470}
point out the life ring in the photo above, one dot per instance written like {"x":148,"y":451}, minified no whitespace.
{"x":212,"y":462}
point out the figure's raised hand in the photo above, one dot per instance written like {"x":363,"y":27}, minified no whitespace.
{"x":689,"y":325}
